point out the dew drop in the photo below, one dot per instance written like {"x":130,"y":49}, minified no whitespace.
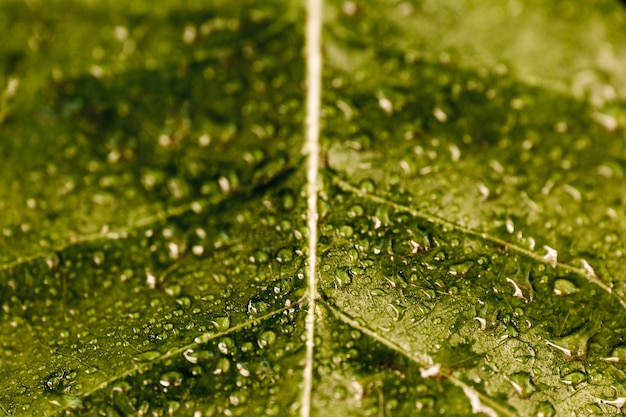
{"x":342,"y":278}
{"x":574,"y":378}
{"x":398,"y":310}
{"x":425,"y":403}
{"x":221,"y":323}
{"x":67,"y":401}
{"x":222,"y":367}
{"x":545,"y":409}
{"x":171,"y":379}
{"x":367,"y":186}
{"x":60,"y":381}
{"x":574,"y":345}
{"x":52,"y":260}
{"x":238,"y":398}
{"x":617,"y":355}
{"x":564,"y":287}
{"x":147,"y":356}
{"x":440,"y":115}
{"x":284,"y":255}
{"x":287,"y":200}
{"x":551,"y":255}
{"x":355,"y":211}
{"x":340,"y":392}
{"x":197,"y":356}
{"x":266,"y":339}
{"x":226,"y":345}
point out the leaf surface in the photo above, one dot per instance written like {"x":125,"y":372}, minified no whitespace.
{"x":154,"y":237}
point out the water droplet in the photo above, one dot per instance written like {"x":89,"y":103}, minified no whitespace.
{"x":346,"y":231}
{"x":523,"y":384}
{"x":564,"y":287}
{"x":460,"y":268}
{"x":225,"y":345}
{"x":425,"y":403}
{"x":266,"y":339}
{"x":222,"y":367}
{"x":398,"y":310}
{"x":618,"y":355}
{"x":284,"y":255}
{"x":367,"y":186}
{"x":342,"y":278}
{"x":173,"y":290}
{"x":171,"y":379}
{"x":574,"y":378}
{"x":545,"y":409}
{"x":60,"y":381}
{"x":440,"y":115}
{"x":52,"y":260}
{"x":340,"y":392}
{"x":593,"y":409}
{"x":221,"y":323}
{"x":574,"y":344}
{"x":197,"y":356}
{"x":355,"y":211}
{"x":287,"y":200}
{"x":147,"y":356}
{"x":67,"y":401}
{"x":524,"y":354}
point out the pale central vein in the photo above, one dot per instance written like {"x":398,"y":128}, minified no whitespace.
{"x":312,"y":122}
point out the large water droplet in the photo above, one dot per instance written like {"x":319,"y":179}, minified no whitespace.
{"x":147,"y":356}
{"x":564,"y":287}
{"x":574,"y":345}
{"x":545,"y":409}
{"x":618,"y":355}
{"x":221,"y":323}
{"x":222,"y":366}
{"x":574,"y":378}
{"x":60,"y":381}
{"x":266,"y":339}
{"x":342,"y":277}
{"x":197,"y":356}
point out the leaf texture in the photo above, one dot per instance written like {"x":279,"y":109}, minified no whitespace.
{"x":471,"y":207}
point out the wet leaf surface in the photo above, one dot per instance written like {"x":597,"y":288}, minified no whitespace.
{"x":153,"y":238}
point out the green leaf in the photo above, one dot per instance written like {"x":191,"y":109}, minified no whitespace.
{"x":154,"y":243}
